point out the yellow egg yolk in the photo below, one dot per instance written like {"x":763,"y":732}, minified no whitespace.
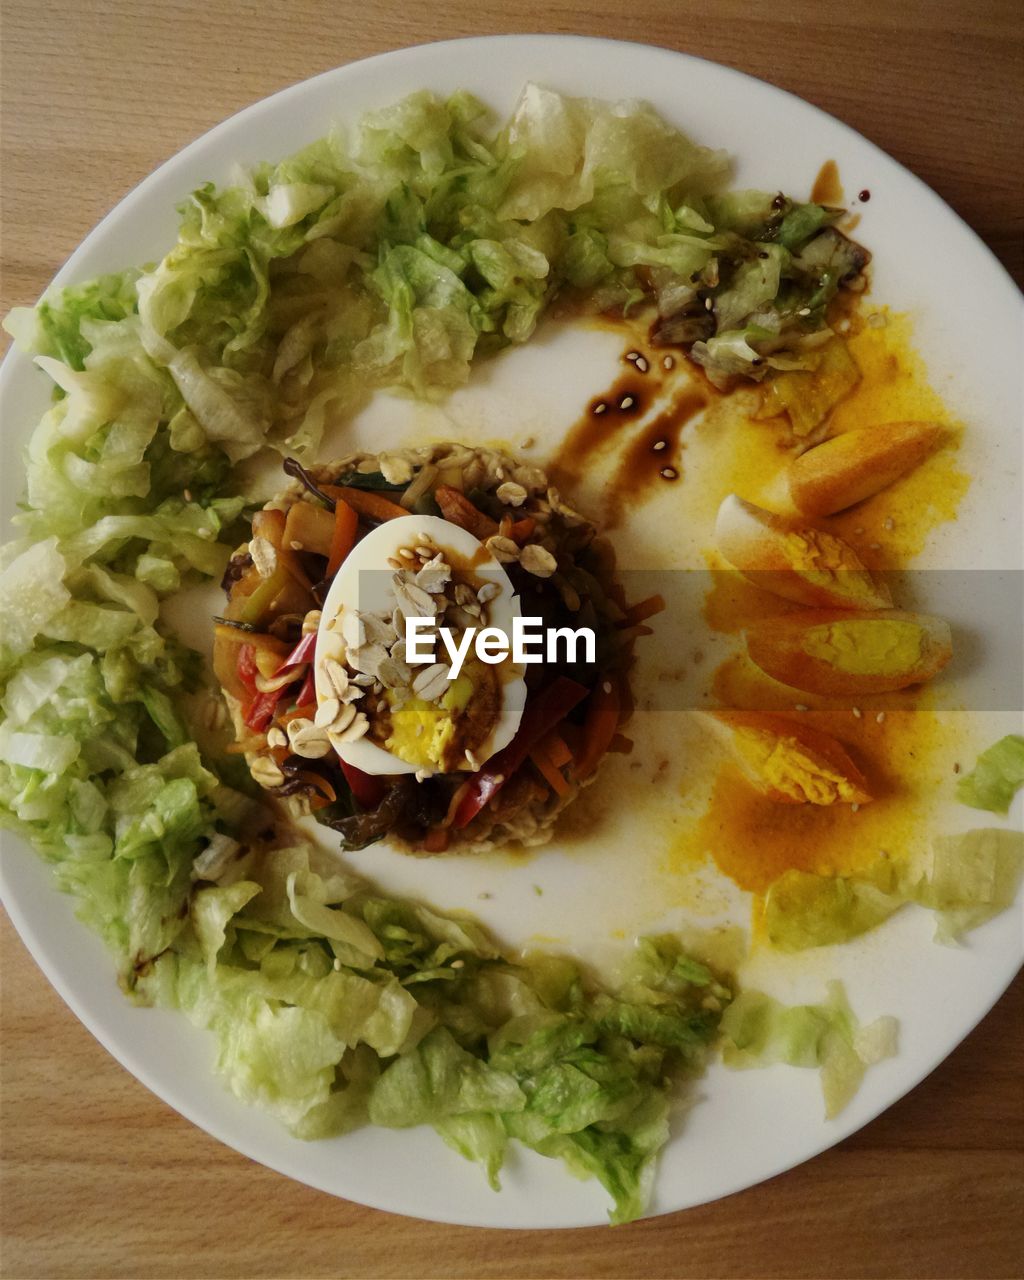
{"x":874,"y":647}
{"x":791,"y":769}
{"x":421,"y":732}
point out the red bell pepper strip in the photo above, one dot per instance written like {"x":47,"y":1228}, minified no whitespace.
{"x":367,"y":789}
{"x":261,"y":710}
{"x":303,"y":652}
{"x":547,"y":708}
{"x":246,"y":667}
{"x":307,"y":693}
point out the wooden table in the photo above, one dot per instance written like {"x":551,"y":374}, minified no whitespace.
{"x":102,"y":1179}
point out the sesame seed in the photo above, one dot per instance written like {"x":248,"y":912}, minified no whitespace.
{"x":458,"y":964}
{"x":857,"y":712}
{"x":295,"y":545}
{"x":659,"y":445}
{"x":880,"y":718}
{"x":627,"y":402}
{"x":843,"y":326}
{"x":800,"y":706}
{"x":668,"y":363}
{"x":889,"y":523}
{"x":669,"y":473}
{"x":641,"y":365}
{"x":632,"y":356}
{"x":859,"y":529}
{"x":709,"y":304}
{"x":600,"y":407}
{"x":874,"y":546}
{"x":406,"y":553}
{"x":855,"y":807}
{"x":187,"y":495}
{"x":804,"y":311}
{"x":606,"y":687}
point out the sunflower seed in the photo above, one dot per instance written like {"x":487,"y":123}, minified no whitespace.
{"x":537,"y":560}
{"x":532,"y":479}
{"x":511,"y":493}
{"x":373,"y":629}
{"x":342,"y":719}
{"x":367,"y":658}
{"x":504,"y":550}
{"x":299,"y":727}
{"x":413,"y":601}
{"x":264,"y":556}
{"x":464,"y":594}
{"x":355,"y":730}
{"x":327,"y":713}
{"x":395,"y":469}
{"x":307,"y":739}
{"x":455,"y":615}
{"x":335,"y":675}
{"x":434,"y":581}
{"x":431,"y":683}
{"x":393,"y":674}
{"x":266,"y":772}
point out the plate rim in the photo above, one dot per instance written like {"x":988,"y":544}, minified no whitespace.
{"x":35,"y":943}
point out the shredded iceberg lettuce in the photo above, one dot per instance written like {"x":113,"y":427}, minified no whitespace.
{"x":757,"y":1031}
{"x":966,"y":880}
{"x":996,"y":778}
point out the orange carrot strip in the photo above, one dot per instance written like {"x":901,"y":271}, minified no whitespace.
{"x":599,"y":727}
{"x":548,"y":772}
{"x":436,"y":840}
{"x":556,"y":750}
{"x":308,"y":711}
{"x":644,"y":609}
{"x":366,"y":502}
{"x":344,"y":536}
{"x":522,"y":529}
{"x":457,"y":508}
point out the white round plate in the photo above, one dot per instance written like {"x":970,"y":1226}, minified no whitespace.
{"x":746,"y":1126}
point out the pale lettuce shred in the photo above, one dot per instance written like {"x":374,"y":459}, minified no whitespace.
{"x":758,"y":1031}
{"x":996,"y":778}
{"x":966,"y":880}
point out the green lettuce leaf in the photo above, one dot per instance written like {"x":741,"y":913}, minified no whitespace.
{"x":757,"y":1031}
{"x":966,"y":880}
{"x":996,"y":778}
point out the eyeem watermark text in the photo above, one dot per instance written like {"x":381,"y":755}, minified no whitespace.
{"x":530,"y":641}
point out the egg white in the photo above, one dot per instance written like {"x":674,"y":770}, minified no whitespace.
{"x":364,"y":584}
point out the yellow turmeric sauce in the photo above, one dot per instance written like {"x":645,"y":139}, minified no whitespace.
{"x":905,"y":749}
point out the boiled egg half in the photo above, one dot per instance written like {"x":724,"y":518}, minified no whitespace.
{"x":457,"y":724}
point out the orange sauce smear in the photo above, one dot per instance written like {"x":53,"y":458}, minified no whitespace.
{"x":904,"y":748}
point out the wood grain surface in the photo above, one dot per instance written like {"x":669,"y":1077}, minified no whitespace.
{"x":100,"y":1178}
